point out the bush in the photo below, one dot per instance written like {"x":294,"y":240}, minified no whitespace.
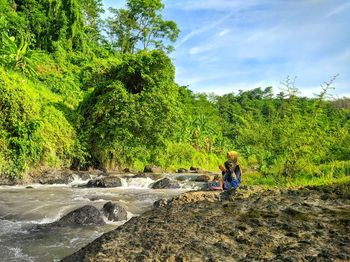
{"x":33,"y":132}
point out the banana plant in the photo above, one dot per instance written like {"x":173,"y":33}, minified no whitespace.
{"x":17,"y":57}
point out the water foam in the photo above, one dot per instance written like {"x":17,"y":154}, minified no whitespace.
{"x":137,"y":183}
{"x":18,"y":255}
{"x":78,"y":181}
{"x":11,"y":227}
{"x":47,"y":220}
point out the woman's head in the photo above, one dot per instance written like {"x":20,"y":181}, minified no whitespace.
{"x":232,"y":155}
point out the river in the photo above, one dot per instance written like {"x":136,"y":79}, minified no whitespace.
{"x":22,"y":208}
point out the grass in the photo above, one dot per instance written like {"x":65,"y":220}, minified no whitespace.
{"x":269,"y":181}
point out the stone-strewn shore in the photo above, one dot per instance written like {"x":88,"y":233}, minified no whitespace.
{"x":65,"y":176}
{"x":249,"y":224}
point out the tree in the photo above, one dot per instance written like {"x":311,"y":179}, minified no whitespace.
{"x":132,"y":112}
{"x":141,"y":26}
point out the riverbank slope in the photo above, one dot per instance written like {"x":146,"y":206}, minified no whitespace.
{"x":251,"y":223}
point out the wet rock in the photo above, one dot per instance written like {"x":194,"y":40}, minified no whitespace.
{"x":152,"y":176}
{"x":246,"y":224}
{"x":165,"y":183}
{"x":182,"y":178}
{"x":86,"y":175}
{"x":152,"y":169}
{"x":107,"y":181}
{"x":186,"y":177}
{"x":161,"y":203}
{"x":203,"y":178}
{"x":50,"y":177}
{"x":114,"y":212}
{"x":86,"y":215}
{"x":29,"y":187}
{"x":95,"y":183}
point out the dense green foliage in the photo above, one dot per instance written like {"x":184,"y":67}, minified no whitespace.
{"x":141,"y":26}
{"x":70,"y":98}
{"x":33,"y":129}
{"x":286,"y":135}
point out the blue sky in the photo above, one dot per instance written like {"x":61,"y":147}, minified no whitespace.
{"x":231,"y":45}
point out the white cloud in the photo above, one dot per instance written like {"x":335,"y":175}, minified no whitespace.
{"x":338,"y":9}
{"x":224,"y":32}
{"x":202,"y":48}
{"x":202,"y":29}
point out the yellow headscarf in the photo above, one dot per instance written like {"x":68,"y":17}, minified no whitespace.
{"x":232,"y":155}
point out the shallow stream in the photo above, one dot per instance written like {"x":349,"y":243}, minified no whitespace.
{"x":22,"y":208}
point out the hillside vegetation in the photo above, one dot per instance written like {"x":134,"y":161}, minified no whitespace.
{"x":72,"y":97}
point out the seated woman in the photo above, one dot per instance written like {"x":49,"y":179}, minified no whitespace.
{"x":231,"y":173}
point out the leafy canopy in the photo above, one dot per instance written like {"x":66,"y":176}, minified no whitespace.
{"x":141,"y":26}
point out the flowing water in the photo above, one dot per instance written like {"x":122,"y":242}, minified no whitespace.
{"x":22,"y":208}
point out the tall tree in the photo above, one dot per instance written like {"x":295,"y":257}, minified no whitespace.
{"x":141,"y":26}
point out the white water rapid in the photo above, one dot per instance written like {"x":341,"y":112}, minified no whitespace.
{"x":22,"y":208}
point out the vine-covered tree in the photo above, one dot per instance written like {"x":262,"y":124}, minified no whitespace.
{"x":70,"y":23}
{"x":141,"y":26}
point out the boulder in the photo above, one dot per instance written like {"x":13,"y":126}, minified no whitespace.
{"x":182,"y":170}
{"x":114,"y":212}
{"x":203,"y":178}
{"x":152,"y":169}
{"x":126,"y":170}
{"x":194,"y":169}
{"x":183,"y":178}
{"x":98,"y":182}
{"x":56,"y":177}
{"x":150,"y":175}
{"x":165,"y":183}
{"x":197,"y":170}
{"x":85,"y":175}
{"x":107,"y":181}
{"x":86,"y":215}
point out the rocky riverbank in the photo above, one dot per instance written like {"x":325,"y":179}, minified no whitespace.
{"x":307,"y":224}
{"x":98,"y":178}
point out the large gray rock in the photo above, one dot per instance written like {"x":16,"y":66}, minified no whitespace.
{"x":165,"y":183}
{"x":114,"y":212}
{"x":56,"y":177}
{"x":108,"y":181}
{"x":86,"y":215}
{"x":247,"y":224}
{"x":203,"y":178}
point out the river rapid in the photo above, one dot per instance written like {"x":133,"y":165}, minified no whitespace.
{"x":22,"y":208}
